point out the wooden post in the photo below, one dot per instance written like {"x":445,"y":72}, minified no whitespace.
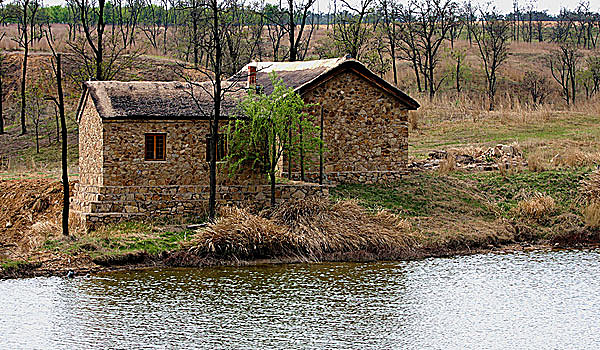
{"x":301,"y":152}
{"x":321,"y":151}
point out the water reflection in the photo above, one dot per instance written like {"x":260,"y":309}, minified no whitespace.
{"x":525,"y":300}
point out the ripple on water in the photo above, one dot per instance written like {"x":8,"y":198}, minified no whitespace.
{"x":535,"y":300}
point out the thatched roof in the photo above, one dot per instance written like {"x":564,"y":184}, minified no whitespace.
{"x":180,"y":100}
{"x":157,"y":100}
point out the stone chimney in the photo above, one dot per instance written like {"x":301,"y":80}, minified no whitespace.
{"x":251,"y":75}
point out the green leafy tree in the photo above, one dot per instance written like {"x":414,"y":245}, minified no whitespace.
{"x":266,"y":127}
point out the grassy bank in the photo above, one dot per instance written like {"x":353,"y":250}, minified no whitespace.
{"x":425,"y":214}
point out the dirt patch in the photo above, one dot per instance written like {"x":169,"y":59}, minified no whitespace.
{"x":29,"y":215}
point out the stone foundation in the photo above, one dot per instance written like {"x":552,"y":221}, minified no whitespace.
{"x":350,"y":177}
{"x":99,"y":205}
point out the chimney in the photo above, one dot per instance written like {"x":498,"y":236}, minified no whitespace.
{"x":251,"y":75}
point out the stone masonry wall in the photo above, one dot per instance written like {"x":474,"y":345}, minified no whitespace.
{"x":185,"y":163}
{"x":118,"y":184}
{"x":109,"y":204}
{"x":365,"y":132}
{"x":90,"y":146}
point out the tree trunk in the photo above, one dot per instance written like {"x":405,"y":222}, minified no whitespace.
{"x":64,"y":165}
{"x":1,"y":105}
{"x":217,"y":113}
{"x":272,"y":178}
{"x":23,"y":81}
{"x":272,"y":166}
{"x":458,"y":75}
{"x":394,"y":69}
{"x":37,"y":139}
{"x":292,"y":32}
{"x":100,"y":53}
{"x":417,"y":75}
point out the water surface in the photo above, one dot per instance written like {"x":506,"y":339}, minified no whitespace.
{"x":535,"y":300}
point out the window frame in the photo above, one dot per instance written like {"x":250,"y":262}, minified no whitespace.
{"x":155,"y":136}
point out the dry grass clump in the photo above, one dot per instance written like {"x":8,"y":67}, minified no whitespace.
{"x":536,"y":161}
{"x":591,"y":214}
{"x":538,"y":206}
{"x":413,"y":120}
{"x":590,"y":187}
{"x":238,"y":233}
{"x":309,"y":228}
{"x":448,"y":165}
{"x":574,"y":157}
{"x":590,"y":196}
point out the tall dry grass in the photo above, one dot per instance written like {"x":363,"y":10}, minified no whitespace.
{"x":307,"y":229}
{"x":447,"y":165}
{"x":590,"y":187}
{"x":537,"y":206}
{"x":591,"y":214}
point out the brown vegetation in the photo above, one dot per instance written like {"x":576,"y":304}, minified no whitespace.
{"x":309,"y":229}
{"x":537,"y":206}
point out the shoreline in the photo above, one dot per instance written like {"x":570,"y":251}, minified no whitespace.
{"x":36,"y":269}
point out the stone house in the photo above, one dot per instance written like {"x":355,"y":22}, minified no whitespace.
{"x":142,"y":145}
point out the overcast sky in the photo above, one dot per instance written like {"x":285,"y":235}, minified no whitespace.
{"x":552,"y":6}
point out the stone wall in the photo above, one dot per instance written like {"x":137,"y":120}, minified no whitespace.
{"x":108,"y":204}
{"x":90,"y":145}
{"x":365,"y":132}
{"x":185,"y":163}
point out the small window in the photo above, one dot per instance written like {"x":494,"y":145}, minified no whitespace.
{"x":155,"y":146}
{"x":221,"y":147}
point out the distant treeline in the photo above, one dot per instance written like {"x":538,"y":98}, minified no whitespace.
{"x":164,"y":13}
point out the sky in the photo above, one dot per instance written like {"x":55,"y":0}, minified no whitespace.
{"x":552,"y":6}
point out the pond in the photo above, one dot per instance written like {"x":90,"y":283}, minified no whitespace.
{"x":527,"y":300}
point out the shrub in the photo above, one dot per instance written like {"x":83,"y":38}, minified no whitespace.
{"x":537,"y":207}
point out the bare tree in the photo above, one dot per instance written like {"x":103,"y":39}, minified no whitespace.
{"x":468,"y":17}
{"x":243,"y":39}
{"x":297,"y":15}
{"x":154,"y":22}
{"x":36,"y":110}
{"x":564,"y":63}
{"x":291,"y":21}
{"x":537,"y":86}
{"x":427,"y":25}
{"x":350,"y":31}
{"x":215,"y":19}
{"x":275,"y":16}
{"x":91,"y":16}
{"x":100,"y":54}
{"x":389,"y":10}
{"x":492,"y":40}
{"x":60,"y":105}
{"x":26,"y":35}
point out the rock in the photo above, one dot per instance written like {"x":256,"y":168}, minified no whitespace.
{"x":8,"y":224}
{"x":131,"y":209}
{"x":465,"y":159}
{"x":298,"y":194}
{"x":438,"y":155}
